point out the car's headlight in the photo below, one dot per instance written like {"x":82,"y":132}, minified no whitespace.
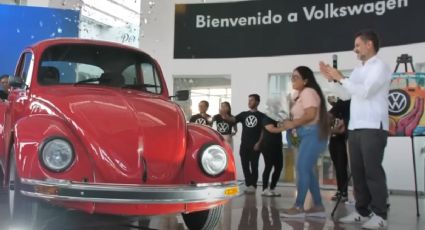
{"x":213,"y":160}
{"x":57,"y":154}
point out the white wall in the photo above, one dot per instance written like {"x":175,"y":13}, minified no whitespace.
{"x":42,"y":3}
{"x":12,"y":2}
{"x":249,"y":75}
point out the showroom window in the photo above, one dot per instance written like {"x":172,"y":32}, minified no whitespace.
{"x":214,"y":89}
{"x":280,"y":89}
{"x":116,"y":21}
{"x":213,"y":95}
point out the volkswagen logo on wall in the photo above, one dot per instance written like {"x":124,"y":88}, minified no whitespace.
{"x":399,"y":102}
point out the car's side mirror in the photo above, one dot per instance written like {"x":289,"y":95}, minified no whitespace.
{"x":15,"y":81}
{"x":181,"y":95}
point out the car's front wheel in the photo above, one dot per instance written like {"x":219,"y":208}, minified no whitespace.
{"x":204,"y":220}
{"x":1,"y":178}
{"x":23,"y":210}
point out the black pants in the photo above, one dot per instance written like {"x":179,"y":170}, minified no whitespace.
{"x":338,"y":151}
{"x":273,"y":158}
{"x":370,"y":185}
{"x":249,"y":159}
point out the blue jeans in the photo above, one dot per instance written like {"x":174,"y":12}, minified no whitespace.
{"x":308,"y":153}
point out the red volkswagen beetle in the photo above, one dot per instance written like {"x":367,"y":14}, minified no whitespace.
{"x":89,"y":125}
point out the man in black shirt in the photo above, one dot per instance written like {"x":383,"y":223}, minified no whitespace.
{"x":250,"y":142}
{"x":202,"y":117}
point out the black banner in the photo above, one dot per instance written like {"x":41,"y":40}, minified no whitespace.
{"x":287,"y":27}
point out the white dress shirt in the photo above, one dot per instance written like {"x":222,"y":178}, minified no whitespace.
{"x":368,"y":87}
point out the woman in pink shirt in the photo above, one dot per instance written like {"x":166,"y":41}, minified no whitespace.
{"x":310,"y":125}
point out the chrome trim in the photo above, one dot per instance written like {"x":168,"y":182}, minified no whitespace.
{"x":131,"y":194}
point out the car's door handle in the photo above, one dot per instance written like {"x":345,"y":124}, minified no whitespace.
{"x":145,"y":170}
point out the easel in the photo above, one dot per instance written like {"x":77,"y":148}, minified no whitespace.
{"x":340,"y":197}
{"x":414,"y":172}
{"x":406,"y":60}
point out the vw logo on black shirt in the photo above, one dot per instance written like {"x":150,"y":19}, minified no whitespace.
{"x":251,"y":121}
{"x":201,"y":121}
{"x":222,"y":127}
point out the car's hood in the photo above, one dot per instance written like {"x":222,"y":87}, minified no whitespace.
{"x":131,"y":136}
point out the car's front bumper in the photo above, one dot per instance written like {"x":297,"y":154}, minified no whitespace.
{"x":128,"y":194}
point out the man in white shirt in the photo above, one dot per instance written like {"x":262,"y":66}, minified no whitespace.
{"x":368,"y":87}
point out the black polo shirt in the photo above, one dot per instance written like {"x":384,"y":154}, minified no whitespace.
{"x":251,"y":127}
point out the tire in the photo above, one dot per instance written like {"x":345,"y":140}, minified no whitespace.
{"x":1,"y":178}
{"x":203,"y":220}
{"x":23,"y":210}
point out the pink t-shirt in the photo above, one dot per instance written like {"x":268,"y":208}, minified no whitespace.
{"x":306,"y":99}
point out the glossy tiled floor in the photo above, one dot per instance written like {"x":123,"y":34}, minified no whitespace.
{"x":247,"y":212}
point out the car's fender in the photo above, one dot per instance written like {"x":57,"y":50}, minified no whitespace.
{"x":31,"y":132}
{"x":197,"y":137}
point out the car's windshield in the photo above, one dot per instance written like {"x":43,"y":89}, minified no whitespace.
{"x":98,"y":65}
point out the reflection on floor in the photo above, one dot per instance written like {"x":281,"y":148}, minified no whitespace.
{"x":247,"y":212}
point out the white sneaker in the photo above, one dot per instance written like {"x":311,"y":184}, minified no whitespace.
{"x":350,"y":202}
{"x":270,"y":193}
{"x":375,"y":222}
{"x":267,"y":192}
{"x":353,"y":218}
{"x":275,"y":193}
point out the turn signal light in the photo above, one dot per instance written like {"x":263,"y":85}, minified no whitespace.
{"x":232,"y":191}
{"x":48,"y":190}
